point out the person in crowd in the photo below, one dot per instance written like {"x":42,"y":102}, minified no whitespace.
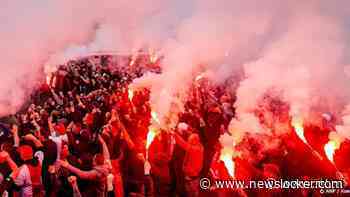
{"x":99,"y":173}
{"x":27,"y":177}
{"x":59,"y":175}
{"x":193,"y":161}
{"x":6,"y":182}
{"x":118,"y":143}
{"x":81,"y":135}
{"x":160,"y":154}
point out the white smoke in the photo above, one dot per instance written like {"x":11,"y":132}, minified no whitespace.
{"x":306,"y":62}
{"x":341,"y":132}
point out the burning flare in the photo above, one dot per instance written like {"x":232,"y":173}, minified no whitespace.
{"x":150,"y":137}
{"x":330,"y":149}
{"x":133,"y":59}
{"x":153,"y":57}
{"x":226,"y":156}
{"x":297,"y":123}
{"x":152,"y":132}
{"x":154,"y":116}
{"x":199,"y":77}
{"x":130,"y":94}
{"x":298,"y":126}
{"x":48,"y":79}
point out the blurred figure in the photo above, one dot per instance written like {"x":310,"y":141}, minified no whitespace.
{"x":160,"y":154}
{"x":28,"y":176}
{"x":193,"y":162}
{"x":99,"y":173}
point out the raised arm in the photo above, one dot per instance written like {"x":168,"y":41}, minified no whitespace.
{"x":124,"y":132}
{"x":38,"y":128}
{"x":88,"y":175}
{"x":14,"y":131}
{"x":49,"y":122}
{"x":181,"y":142}
{"x":33,"y":139}
{"x":87,"y":81}
{"x":105,"y":151}
{"x":126,"y":137}
{"x":80,"y":103}
{"x":6,"y":158}
{"x":56,"y":97}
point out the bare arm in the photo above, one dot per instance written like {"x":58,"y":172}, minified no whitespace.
{"x":4,"y":155}
{"x":76,"y":191}
{"x":85,"y":80}
{"x":14,"y":131}
{"x":35,"y":140}
{"x":127,"y":138}
{"x":88,"y":175}
{"x":12,"y":164}
{"x":38,"y":129}
{"x":56,"y":97}
{"x":49,"y":121}
{"x":78,"y":98}
{"x":80,"y":103}
{"x":73,"y":182}
{"x":105,"y":151}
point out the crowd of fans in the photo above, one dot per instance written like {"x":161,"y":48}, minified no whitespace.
{"x":82,"y":135}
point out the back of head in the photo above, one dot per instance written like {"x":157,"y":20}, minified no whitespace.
{"x":26,"y":152}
